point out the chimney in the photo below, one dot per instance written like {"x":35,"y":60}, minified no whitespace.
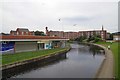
{"x":47,"y":31}
{"x":102,"y":28}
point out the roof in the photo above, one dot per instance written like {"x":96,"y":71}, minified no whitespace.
{"x":13,"y":31}
{"x":116,"y":33}
{"x":23,"y":29}
{"x":92,"y":31}
{"x":29,"y":38}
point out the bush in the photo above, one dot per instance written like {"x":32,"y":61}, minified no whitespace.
{"x":97,"y":39}
{"x":81,"y":38}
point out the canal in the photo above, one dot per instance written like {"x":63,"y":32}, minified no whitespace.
{"x":82,"y":61}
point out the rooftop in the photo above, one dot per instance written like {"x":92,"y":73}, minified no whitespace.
{"x":29,"y":38}
{"x":23,"y":29}
{"x":116,"y":33}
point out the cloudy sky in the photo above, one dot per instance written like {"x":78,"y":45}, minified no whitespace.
{"x":74,"y":15}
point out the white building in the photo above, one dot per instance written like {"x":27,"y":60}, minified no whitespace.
{"x":116,"y":37}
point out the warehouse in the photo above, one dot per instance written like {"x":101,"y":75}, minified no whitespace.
{"x":15,"y":44}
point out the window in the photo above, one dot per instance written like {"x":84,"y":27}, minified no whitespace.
{"x":17,"y":33}
{"x":22,"y":33}
{"x":26,"y":33}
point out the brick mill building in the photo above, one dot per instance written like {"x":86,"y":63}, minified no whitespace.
{"x":21,"y":31}
{"x":72,"y":35}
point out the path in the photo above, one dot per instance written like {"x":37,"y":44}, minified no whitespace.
{"x":107,"y":67}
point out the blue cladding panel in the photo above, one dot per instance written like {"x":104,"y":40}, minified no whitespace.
{"x":48,"y":46}
{"x":6,"y":46}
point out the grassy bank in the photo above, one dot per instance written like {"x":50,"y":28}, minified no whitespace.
{"x":11,"y":58}
{"x":114,"y":49}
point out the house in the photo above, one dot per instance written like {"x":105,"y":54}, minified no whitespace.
{"x":21,"y":31}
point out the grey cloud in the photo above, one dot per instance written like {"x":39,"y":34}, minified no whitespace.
{"x":36,"y":15}
{"x":78,"y":19}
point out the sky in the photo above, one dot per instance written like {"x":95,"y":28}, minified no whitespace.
{"x":59,"y":15}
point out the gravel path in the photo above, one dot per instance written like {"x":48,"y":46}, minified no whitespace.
{"x":107,"y":67}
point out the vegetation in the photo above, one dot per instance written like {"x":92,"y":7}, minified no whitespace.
{"x":11,"y":58}
{"x":114,"y":48}
{"x":39,"y":33}
{"x":111,"y":36}
{"x":94,"y":38}
{"x":81,"y":38}
{"x":4,"y":33}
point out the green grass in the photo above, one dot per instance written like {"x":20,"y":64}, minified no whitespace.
{"x":114,"y":49}
{"x":11,"y":58}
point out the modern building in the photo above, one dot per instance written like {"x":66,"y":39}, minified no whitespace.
{"x":72,"y":35}
{"x":21,"y":31}
{"x":15,"y":44}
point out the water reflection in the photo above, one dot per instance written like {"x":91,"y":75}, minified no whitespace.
{"x":82,"y":61}
{"x":92,"y":49}
{"x":96,"y":50}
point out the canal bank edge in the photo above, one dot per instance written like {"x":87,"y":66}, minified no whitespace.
{"x":19,"y":63}
{"x":106,"y":69}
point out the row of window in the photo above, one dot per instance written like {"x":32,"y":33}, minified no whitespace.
{"x":22,"y":33}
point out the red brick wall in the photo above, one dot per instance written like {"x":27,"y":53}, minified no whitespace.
{"x":73,"y":35}
{"x":21,"y":33}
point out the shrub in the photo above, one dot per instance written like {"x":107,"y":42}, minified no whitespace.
{"x":97,"y":39}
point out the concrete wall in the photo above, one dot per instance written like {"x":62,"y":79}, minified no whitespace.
{"x":52,"y":44}
{"x":48,"y":45}
{"x":8,"y":52}
{"x":25,"y":46}
{"x":41,"y":46}
{"x":63,"y":44}
{"x":59,"y":44}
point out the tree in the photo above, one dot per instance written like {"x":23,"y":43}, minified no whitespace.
{"x":97,"y":39}
{"x":4,"y":33}
{"x":39,"y":33}
{"x":81,"y":38}
{"x":98,"y":36}
{"x":93,"y":38}
{"x":111,"y":37}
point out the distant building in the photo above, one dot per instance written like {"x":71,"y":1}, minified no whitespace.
{"x":116,"y":36}
{"x":72,"y":35}
{"x":108,"y":36}
{"x":21,"y":31}
{"x":4,"y":34}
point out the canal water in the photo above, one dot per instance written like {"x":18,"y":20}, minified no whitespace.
{"x":82,"y":61}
